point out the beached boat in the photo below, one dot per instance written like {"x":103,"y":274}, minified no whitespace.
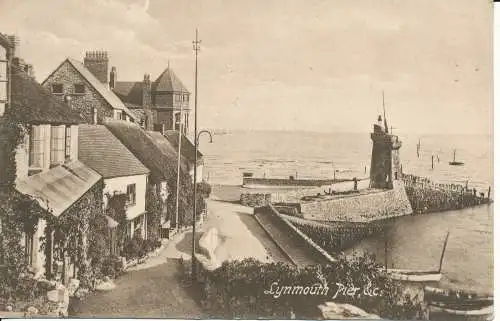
{"x":458,"y":304}
{"x":418,"y":275}
{"x":414,"y":275}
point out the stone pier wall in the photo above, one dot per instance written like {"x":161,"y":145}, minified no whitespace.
{"x":362,"y":208}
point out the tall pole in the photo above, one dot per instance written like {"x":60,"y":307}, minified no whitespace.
{"x":178,"y":167}
{"x":196,"y":47}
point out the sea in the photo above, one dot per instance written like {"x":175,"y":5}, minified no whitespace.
{"x":413,"y":242}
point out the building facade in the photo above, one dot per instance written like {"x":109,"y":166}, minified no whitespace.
{"x":163,"y":103}
{"x":84,"y":86}
{"x":122,"y":172}
{"x":47,"y":168}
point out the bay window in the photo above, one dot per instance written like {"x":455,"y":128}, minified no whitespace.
{"x":3,"y":80}
{"x":67,"y":147}
{"x":36,"y":146}
{"x":57,"y":144}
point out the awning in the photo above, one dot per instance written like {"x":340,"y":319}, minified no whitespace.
{"x":111,"y":222}
{"x":60,"y":187}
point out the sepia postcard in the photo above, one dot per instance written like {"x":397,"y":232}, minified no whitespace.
{"x":247,"y":159}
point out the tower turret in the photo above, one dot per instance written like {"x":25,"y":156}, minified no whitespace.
{"x":386,"y":165}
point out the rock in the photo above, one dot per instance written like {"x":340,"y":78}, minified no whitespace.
{"x":105,"y":286}
{"x":8,"y":308}
{"x":53,"y":295}
{"x":73,"y":285}
{"x":32,"y":311}
{"x":331,"y":310}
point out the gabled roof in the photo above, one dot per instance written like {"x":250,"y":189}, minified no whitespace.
{"x":187,"y":147}
{"x":60,"y":187}
{"x":102,"y":89}
{"x":168,"y":81}
{"x":99,"y":149}
{"x":32,"y":103}
{"x":161,"y":161}
{"x":130,"y":92}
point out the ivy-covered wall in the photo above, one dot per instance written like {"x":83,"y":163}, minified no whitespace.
{"x":80,"y":235}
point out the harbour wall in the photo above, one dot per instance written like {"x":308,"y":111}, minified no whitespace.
{"x":360,"y":208}
{"x":427,"y":196}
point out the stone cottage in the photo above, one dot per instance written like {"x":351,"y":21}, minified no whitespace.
{"x":84,"y":87}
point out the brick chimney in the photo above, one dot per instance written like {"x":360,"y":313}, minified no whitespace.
{"x":112,"y":78}
{"x":146,"y":91}
{"x":97,"y":63}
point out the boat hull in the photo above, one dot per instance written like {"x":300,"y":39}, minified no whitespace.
{"x":414,"y":275}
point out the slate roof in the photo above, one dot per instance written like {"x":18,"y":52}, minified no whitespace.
{"x":60,"y":187}
{"x":167,"y":148}
{"x":187,"y":147}
{"x":130,"y":92}
{"x":101,"y":88}
{"x":36,"y":105}
{"x":103,"y":152}
{"x":168,"y":81}
{"x":161,"y":161}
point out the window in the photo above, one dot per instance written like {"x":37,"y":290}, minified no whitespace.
{"x":79,"y":89}
{"x":131,"y":194}
{"x":185,"y":97}
{"x":28,"y":248}
{"x":67,"y":147}
{"x":123,"y":115}
{"x":57,"y":145}
{"x":57,"y":89}
{"x":36,"y":146}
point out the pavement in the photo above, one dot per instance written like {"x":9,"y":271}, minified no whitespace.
{"x":154,"y":288}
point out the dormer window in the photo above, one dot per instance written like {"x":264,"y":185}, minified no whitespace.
{"x":57,"y":89}
{"x":79,"y":89}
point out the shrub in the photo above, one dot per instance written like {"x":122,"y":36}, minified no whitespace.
{"x":238,"y":289}
{"x":112,"y":266}
{"x":204,"y":188}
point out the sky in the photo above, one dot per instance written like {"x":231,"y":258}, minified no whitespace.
{"x":309,"y":65}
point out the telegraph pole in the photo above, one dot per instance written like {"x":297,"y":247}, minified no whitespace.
{"x":196,"y":47}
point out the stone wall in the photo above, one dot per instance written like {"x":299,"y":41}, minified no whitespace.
{"x":362,"y":208}
{"x":255,"y":200}
{"x":68,"y":76}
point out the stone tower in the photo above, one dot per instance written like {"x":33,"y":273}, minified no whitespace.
{"x":385,"y":166}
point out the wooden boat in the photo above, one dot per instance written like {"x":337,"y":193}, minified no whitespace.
{"x":414,"y":275}
{"x":458,"y":304}
{"x":418,"y":275}
{"x":455,"y":162}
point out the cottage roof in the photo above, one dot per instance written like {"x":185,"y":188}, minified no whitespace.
{"x":160,"y":160}
{"x":187,"y":147}
{"x":130,"y":92}
{"x":169,"y":82}
{"x":101,"y":88}
{"x":168,"y":148}
{"x":34,"y":104}
{"x":102,"y":151}
{"x":60,"y":187}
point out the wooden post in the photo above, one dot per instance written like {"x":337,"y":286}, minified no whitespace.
{"x":489,"y":192}
{"x":432,"y":162}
